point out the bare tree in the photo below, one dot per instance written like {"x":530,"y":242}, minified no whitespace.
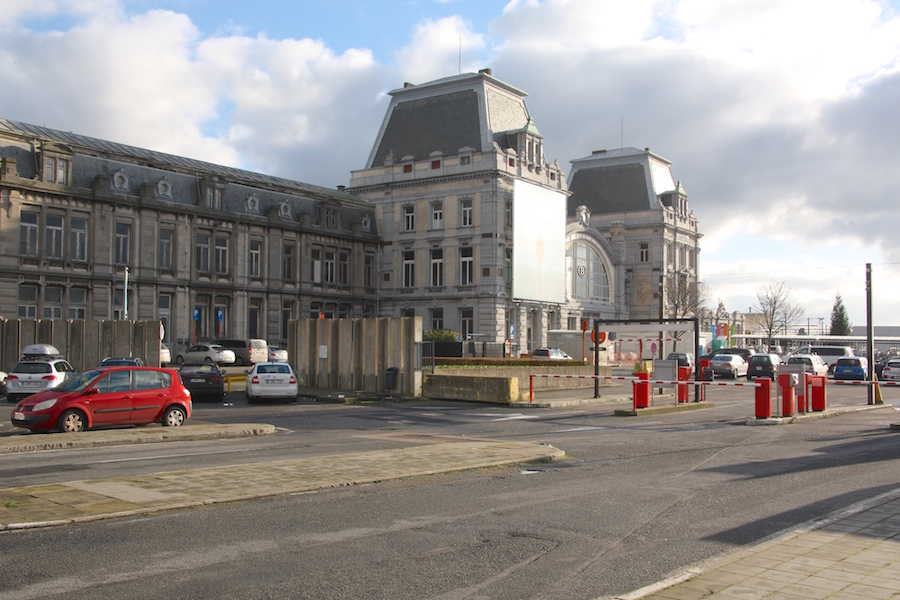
{"x":686,"y":298}
{"x":777,"y":310}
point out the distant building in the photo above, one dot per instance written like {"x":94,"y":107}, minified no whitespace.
{"x":91,"y":229}
{"x":472,"y":214}
{"x":632,"y":243}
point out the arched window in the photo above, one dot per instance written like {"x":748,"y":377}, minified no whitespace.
{"x":589,"y":279}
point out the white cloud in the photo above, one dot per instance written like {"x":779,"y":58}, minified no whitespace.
{"x":439,"y":48}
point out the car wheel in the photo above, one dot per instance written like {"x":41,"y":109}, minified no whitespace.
{"x":239,"y":361}
{"x":173,"y":417}
{"x":71,"y":421}
{"x":179,"y":360}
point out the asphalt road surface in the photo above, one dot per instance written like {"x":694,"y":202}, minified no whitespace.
{"x":636,"y":499}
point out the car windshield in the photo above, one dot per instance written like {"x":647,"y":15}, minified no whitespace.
{"x":722,"y":358}
{"x":80,"y":381}
{"x":198,"y":369}
{"x":284,"y":369}
{"x":216,"y":348}
{"x":848,"y":362}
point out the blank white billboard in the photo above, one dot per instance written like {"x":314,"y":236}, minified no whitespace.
{"x":539,"y":243}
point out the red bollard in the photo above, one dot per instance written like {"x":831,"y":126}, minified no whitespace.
{"x":641,"y":390}
{"x":786,"y":382}
{"x":818,"y":396}
{"x":684,"y":375}
{"x":763,"y":398}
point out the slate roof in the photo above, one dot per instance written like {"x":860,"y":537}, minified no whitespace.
{"x":610,"y":189}
{"x":115,"y":150}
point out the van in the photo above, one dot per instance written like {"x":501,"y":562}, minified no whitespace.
{"x":830,"y":354}
{"x":247,"y":352}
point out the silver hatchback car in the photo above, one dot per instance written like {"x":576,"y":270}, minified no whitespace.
{"x":40,"y":368}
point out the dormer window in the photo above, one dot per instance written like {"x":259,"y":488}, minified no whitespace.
{"x":436,"y":164}
{"x":407,"y":168}
{"x":56,"y":170}
{"x":330,"y":217}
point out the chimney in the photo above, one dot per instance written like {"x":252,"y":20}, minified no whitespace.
{"x":485,"y":71}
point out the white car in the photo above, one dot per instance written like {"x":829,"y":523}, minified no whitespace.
{"x":891,"y":370}
{"x":728,"y":365}
{"x":271,"y":380}
{"x":277,"y":354}
{"x":40,"y":368}
{"x":813,"y":363}
{"x":165,"y":355}
{"x":2,"y":383}
{"x":202,"y":353}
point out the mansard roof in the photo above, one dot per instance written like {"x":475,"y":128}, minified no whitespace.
{"x":114,"y":150}
{"x":473,"y":110}
{"x":617,"y":181}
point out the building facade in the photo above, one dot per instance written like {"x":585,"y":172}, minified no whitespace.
{"x":93,"y":229}
{"x":633,"y":244}
{"x":472,"y":214}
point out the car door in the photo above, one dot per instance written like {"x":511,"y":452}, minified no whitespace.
{"x":109,"y":399}
{"x":151,"y":393}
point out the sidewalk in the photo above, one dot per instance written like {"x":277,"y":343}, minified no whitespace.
{"x":851,"y":554}
{"x":79,"y":501}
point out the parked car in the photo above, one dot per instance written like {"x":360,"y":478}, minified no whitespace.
{"x":201,"y":353}
{"x":891,"y":371}
{"x":205,"y":380}
{"x":728,"y":365}
{"x":247,"y":352}
{"x":813,"y":363}
{"x":165,"y":355}
{"x":40,"y":368}
{"x":269,"y":380}
{"x":763,"y":365}
{"x":277,"y":354}
{"x":550,"y":353}
{"x":851,"y":368}
{"x":3,"y":376}
{"x":121,"y":362}
{"x":685,"y":359}
{"x":126,"y":395}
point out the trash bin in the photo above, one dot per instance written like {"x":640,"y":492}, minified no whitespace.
{"x":390,"y":378}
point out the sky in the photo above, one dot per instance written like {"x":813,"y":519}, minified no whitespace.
{"x":781,"y":117}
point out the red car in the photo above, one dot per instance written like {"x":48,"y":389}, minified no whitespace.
{"x":124,"y":395}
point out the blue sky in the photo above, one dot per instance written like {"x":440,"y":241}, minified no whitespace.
{"x":780,"y":118}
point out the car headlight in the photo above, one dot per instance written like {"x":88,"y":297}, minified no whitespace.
{"x":44,"y":405}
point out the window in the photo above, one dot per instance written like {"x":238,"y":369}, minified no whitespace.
{"x":78,"y":239}
{"x":588,"y":277}
{"x":329,"y":266}
{"x":466,"y":323}
{"x":287,"y":262}
{"x":221,"y":255}
{"x":28,"y":301}
{"x":255,"y":265}
{"x":214,"y":197}
{"x":287,"y":313}
{"x":409,"y":218}
{"x":344,"y":267}
{"x":407,"y":168}
{"x":437,"y":318}
{"x":436,"y":164}
{"x":466,"y":265}
{"x":331,"y":218}
{"x":409,"y":269}
{"x":670,"y":254}
{"x":369,"y":271}
{"x":465,"y":213}
{"x":507,"y":267}
{"x":165,"y":249}
{"x":56,"y":170}
{"x":202,"y":252}
{"x":465,"y":160}
{"x":437,"y":267}
{"x":644,"y":252}
{"x":77,"y":303}
{"x":509,"y":213}
{"x":164,"y":304}
{"x":53,"y":296}
{"x":316,"y":267}
{"x":437,"y":215}
{"x":254,"y":309}
{"x":53,"y":236}
{"x":28,"y":234}
{"x":123,"y":243}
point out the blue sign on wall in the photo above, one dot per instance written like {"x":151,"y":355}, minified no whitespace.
{"x":220,"y":314}
{"x":197,"y":314}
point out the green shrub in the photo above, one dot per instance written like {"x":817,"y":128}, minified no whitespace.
{"x":440,"y":335}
